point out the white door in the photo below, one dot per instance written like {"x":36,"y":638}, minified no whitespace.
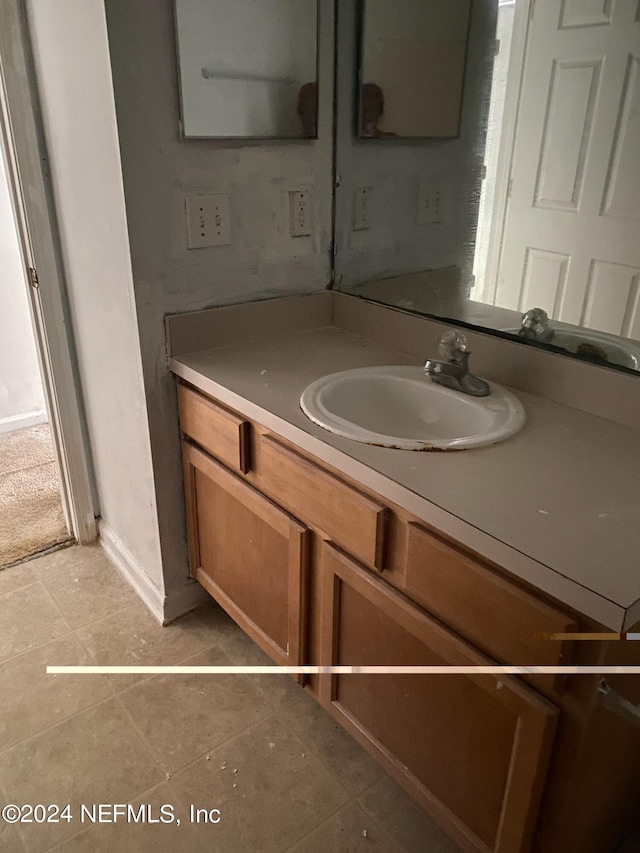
{"x":571,"y":241}
{"x":27,"y":174}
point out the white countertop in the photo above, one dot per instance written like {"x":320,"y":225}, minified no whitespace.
{"x":558,"y":504}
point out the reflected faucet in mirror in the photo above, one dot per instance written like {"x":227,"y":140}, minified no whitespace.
{"x":535,"y":325}
{"x":590,"y":345}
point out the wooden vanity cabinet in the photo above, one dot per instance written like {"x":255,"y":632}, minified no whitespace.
{"x":249,"y":554}
{"x":493,"y":614}
{"x":317,"y":570}
{"x":474,"y":749}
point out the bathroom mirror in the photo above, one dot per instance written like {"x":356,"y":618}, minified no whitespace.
{"x":247,"y":68}
{"x":534,"y":204}
{"x":412,"y":58}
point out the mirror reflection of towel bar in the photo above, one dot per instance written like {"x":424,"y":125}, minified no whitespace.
{"x":209,"y":74}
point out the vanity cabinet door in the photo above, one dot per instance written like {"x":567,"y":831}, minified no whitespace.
{"x":472,"y":749}
{"x":249,"y":554}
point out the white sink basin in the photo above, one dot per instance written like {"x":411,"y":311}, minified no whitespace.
{"x":401,"y":407}
{"x":617,"y":350}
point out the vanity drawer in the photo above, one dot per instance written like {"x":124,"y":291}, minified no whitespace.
{"x":220,"y":432}
{"x":497,"y":616}
{"x":352,"y":520}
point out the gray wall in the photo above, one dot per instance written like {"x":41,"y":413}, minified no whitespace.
{"x":126,"y":255}
{"x":395,"y":169}
{"x":74,"y":81}
{"x":159,"y":171}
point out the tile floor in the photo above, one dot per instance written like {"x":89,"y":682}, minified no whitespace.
{"x":284,"y":776}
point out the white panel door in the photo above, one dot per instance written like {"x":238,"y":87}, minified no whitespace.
{"x":571,"y":241}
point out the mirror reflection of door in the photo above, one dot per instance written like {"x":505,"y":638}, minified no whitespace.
{"x":247,"y":68}
{"x":534,"y":204}
{"x":570,"y":243}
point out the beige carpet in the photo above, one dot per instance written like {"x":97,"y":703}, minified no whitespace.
{"x":31,"y":518}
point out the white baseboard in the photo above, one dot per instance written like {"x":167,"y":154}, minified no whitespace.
{"x":189,"y":597}
{"x":16,"y":422}
{"x":164,"y":608}
{"x":130,"y":569}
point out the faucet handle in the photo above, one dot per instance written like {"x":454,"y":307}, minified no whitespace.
{"x":535,"y":319}
{"x":453,"y":346}
{"x":535,"y":325}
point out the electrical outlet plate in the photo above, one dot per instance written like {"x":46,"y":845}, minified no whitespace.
{"x":208,"y":220}
{"x":363,"y":208}
{"x":300,"y":213}
{"x":430,"y":204}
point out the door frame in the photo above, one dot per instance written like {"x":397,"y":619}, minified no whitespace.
{"x":30,"y":189}
{"x":524,"y":10}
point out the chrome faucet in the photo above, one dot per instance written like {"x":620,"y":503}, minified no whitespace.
{"x":453,"y":370}
{"x":535,"y":326}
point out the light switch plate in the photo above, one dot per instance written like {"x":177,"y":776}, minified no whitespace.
{"x":208,"y":220}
